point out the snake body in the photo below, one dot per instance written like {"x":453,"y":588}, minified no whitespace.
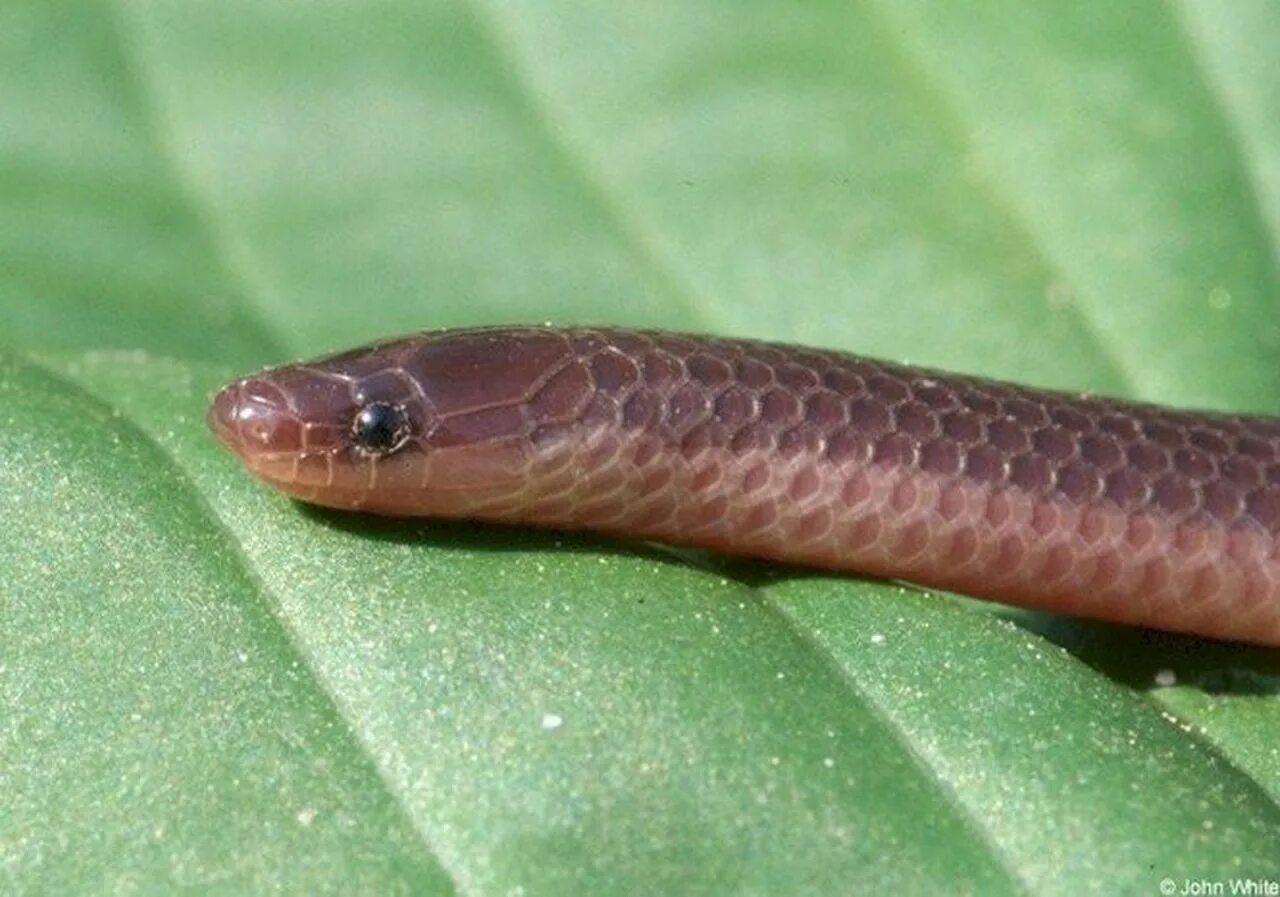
{"x":1081,"y":505}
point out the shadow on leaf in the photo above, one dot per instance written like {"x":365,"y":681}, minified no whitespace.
{"x":471,"y":536}
{"x":1149,"y":659}
{"x":1143,"y":659}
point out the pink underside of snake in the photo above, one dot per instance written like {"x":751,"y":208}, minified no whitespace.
{"x":1071,"y":504}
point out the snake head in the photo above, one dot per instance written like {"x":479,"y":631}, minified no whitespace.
{"x":434,"y":424}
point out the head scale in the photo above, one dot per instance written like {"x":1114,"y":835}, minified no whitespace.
{"x":432,"y":424}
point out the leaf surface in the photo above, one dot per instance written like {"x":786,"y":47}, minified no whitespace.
{"x":208,"y":687}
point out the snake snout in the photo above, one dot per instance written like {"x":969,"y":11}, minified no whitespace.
{"x":252,"y":417}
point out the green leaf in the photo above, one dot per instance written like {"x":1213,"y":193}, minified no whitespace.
{"x":206,"y":687}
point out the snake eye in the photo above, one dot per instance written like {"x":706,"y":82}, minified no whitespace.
{"x":380,"y":428}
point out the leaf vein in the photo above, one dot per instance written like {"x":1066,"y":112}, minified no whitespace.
{"x":632,"y":231}
{"x":953,"y":127}
{"x":241,"y":558}
{"x":226,"y":249}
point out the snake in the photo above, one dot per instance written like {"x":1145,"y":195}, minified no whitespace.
{"x":1069,"y":503}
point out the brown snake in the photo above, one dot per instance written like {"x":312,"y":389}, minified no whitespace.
{"x":1081,"y":505}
